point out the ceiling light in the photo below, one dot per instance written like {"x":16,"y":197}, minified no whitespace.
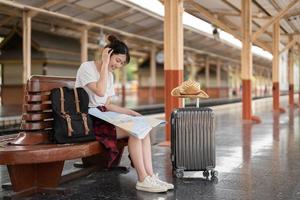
{"x":216,"y":34}
{"x":260,"y":14}
{"x":291,"y":18}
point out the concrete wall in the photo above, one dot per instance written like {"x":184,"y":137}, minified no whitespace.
{"x":12,"y":72}
{"x":61,"y":70}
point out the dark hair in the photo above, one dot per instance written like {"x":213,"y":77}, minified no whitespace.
{"x":118,"y":47}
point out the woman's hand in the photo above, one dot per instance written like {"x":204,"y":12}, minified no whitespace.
{"x":119,"y":109}
{"x":133,"y":113}
{"x":106,"y":53}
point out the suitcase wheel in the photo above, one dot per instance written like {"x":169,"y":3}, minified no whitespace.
{"x":214,"y":173}
{"x":178,"y":173}
{"x":206,"y":173}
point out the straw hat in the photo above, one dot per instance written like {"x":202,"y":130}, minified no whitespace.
{"x":189,"y":89}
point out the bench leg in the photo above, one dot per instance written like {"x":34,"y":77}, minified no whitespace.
{"x":38,"y":176}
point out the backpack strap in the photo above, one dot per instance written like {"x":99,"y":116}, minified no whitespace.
{"x":77,"y":100}
{"x":65,"y":115}
{"x":62,"y":101}
{"x":85,"y":123}
{"x":70,"y":129}
{"x":83,"y":115}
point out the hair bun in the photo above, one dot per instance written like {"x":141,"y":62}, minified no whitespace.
{"x":111,"y":38}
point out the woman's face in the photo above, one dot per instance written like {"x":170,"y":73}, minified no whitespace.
{"x":116,"y":61}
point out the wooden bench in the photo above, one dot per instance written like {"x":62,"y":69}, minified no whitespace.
{"x":34,"y":163}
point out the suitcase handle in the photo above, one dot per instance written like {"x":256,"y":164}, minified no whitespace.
{"x":197,"y":102}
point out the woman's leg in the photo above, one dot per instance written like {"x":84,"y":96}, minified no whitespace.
{"x":136,"y":153}
{"x":142,"y":161}
{"x":147,"y":155}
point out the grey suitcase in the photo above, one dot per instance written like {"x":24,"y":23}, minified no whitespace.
{"x":193,"y":141}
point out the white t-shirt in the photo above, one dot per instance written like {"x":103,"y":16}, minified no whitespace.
{"x":88,"y":73}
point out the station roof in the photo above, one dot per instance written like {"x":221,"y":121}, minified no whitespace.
{"x":141,"y":28}
{"x":227,"y":15}
{"x":45,"y":47}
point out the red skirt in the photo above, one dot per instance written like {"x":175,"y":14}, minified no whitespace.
{"x":106,"y":134}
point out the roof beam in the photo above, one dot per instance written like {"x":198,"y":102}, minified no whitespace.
{"x":222,"y":25}
{"x":273,"y":20}
{"x":78,"y":21}
{"x":10,"y":12}
{"x":211,"y":17}
{"x":234,"y":7}
{"x":289,"y":45}
{"x":292,"y":34}
{"x":6,"y":20}
{"x":113,"y":17}
{"x":96,"y":25}
{"x":145,"y":30}
{"x":131,"y":5}
{"x":48,"y":4}
{"x":278,"y":8}
{"x":293,"y":14}
{"x":235,"y":14}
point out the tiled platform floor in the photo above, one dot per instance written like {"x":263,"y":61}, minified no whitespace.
{"x":260,"y":161}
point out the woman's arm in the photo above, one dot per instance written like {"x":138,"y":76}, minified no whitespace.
{"x":116,"y":108}
{"x":99,"y":87}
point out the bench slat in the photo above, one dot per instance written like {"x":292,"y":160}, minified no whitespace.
{"x":37,"y":107}
{"x":37,"y":125}
{"x":36,"y":98}
{"x":37,"y":116}
{"x":46,"y":83}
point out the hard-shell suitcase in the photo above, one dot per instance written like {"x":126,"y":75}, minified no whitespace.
{"x":193,"y":141}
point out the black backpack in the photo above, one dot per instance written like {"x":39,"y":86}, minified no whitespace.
{"x":72,"y":123}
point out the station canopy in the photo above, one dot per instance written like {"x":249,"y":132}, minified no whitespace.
{"x":141,"y":28}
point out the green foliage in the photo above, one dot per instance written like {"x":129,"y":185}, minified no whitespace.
{"x":131,"y":70}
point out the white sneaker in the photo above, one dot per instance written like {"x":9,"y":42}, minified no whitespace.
{"x":169,"y":186}
{"x":150,"y":185}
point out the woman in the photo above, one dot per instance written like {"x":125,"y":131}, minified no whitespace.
{"x":97,"y":79}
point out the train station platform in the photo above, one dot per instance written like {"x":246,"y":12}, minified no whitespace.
{"x":10,"y":118}
{"x":254,"y":161}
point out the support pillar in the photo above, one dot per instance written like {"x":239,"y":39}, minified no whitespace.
{"x":173,"y":62}
{"x":152,"y":74}
{"x":26,"y":46}
{"x":124,"y":80}
{"x":207,"y":72}
{"x":219,"y":78}
{"x":299,"y":77}
{"x":275,"y":69}
{"x":291,"y":75}
{"x":84,"y":46}
{"x":237,"y":80}
{"x":275,"y":66}
{"x":247,"y":62}
{"x":117,"y":82}
{"x":193,"y":74}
